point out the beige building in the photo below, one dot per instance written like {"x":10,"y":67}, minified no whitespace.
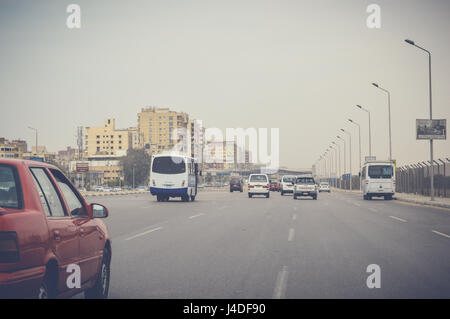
{"x":14,"y":149}
{"x":155,"y":128}
{"x":107,"y":140}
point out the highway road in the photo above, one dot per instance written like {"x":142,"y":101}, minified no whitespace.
{"x":226,"y":245}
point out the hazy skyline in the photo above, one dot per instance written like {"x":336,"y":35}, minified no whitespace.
{"x":301,"y":66}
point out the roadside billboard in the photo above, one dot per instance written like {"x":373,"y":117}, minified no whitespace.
{"x":431,"y":129}
{"x":82,"y":167}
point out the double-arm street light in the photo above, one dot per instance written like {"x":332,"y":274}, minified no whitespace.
{"x":431,"y":114}
{"x":389,"y":111}
{"x":350,"y":154}
{"x":36,"y":132}
{"x":370,"y":133}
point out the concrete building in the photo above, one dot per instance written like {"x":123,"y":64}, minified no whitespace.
{"x":156,"y":127}
{"x":14,"y":149}
{"x":107,"y":140}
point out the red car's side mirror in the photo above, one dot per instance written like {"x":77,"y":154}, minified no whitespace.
{"x":98,"y":211}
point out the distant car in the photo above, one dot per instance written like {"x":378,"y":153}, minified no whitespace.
{"x":142,"y":188}
{"x":236,"y":185}
{"x":107,"y":189}
{"x":274,"y":187}
{"x":201,"y":186}
{"x":117,"y":189}
{"x":258,"y":184}
{"x":98,"y":189}
{"x":324,"y":187}
{"x":305,"y":186}
{"x":126,"y":188}
{"x":287,"y":184}
{"x":45,"y":226}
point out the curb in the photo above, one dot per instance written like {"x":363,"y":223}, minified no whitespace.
{"x":407,"y":200}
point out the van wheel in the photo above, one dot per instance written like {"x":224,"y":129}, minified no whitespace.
{"x":249,"y":195}
{"x":282,"y":193}
{"x":47,"y":289}
{"x":101,"y":287}
{"x":294,"y":196}
{"x":268,"y":195}
{"x":364,"y":197}
{"x":192,"y":198}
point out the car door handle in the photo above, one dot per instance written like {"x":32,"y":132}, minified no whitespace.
{"x":56,"y":235}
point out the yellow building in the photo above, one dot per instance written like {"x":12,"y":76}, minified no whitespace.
{"x":9,"y":150}
{"x":107,"y":140}
{"x":155,"y":127}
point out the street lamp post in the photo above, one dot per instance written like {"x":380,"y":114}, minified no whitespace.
{"x":345,"y":168}
{"x":36,"y":132}
{"x":370,"y":133}
{"x":350,"y":154}
{"x":359,"y":139}
{"x":338,"y":171}
{"x":389,"y":111}
{"x":431,"y":115}
{"x":134,"y":166}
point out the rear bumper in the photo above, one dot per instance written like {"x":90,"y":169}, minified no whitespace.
{"x":380,"y":194}
{"x":287,"y":190}
{"x":22,"y":283}
{"x":235,"y":187}
{"x":172,"y":192}
{"x":261,"y":190}
{"x":305,"y":193}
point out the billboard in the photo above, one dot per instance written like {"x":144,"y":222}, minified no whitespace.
{"x":431,"y":129}
{"x":82,"y":167}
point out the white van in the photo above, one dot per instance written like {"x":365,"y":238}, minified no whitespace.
{"x":173,"y":176}
{"x":378,"y":180}
{"x":287,"y":184}
{"x":258,"y":184}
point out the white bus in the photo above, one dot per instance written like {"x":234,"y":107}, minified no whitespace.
{"x":378,"y":180}
{"x":173,"y":176}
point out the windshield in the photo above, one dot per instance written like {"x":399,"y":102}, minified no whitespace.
{"x":305,"y":180}
{"x":8,"y":189}
{"x":288,"y":179}
{"x":380,"y":171}
{"x":258,"y":178}
{"x":168,"y":165}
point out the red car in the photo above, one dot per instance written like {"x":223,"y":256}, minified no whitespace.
{"x":274,"y":187}
{"x":50,"y":238}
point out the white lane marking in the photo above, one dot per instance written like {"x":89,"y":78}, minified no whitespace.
{"x":146,"y":206}
{"x":295,"y":208}
{"x":294,"y":217}
{"x":291,"y":234}
{"x":439,"y":233}
{"x":373,"y":209}
{"x":194,"y":216}
{"x":280,"y":285}
{"x":144,"y":233}
{"x":357,"y":204}
{"x":402,"y":220}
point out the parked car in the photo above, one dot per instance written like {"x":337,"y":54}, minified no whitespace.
{"x":258,"y":184}
{"x":305,"y":186}
{"x":236,"y":184}
{"x":117,"y":189}
{"x":324,"y":187}
{"x":45,"y":227}
{"x":142,"y":188}
{"x":274,"y":187}
{"x":106,"y":189}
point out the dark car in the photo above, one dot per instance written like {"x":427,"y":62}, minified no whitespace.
{"x":236,"y":185}
{"x":47,"y":232}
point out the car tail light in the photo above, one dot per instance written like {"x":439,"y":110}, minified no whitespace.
{"x":182,"y":184}
{"x":9,"y":250}
{"x":250,"y":186}
{"x":265,"y":186}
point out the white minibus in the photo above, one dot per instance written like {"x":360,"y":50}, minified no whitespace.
{"x":378,"y":180}
{"x":173,"y":176}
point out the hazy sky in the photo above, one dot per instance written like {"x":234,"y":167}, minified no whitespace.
{"x":301,"y":66}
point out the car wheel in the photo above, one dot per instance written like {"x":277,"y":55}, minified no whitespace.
{"x":192,"y":198}
{"x":158,"y":198}
{"x":282,"y":193}
{"x":268,"y":195}
{"x":249,"y":195}
{"x":241,"y":190}
{"x":231,"y":190}
{"x":294,"y":196}
{"x":364,"y":197}
{"x":100,"y":289}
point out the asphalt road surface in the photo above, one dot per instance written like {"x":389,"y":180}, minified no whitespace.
{"x":226,"y":245}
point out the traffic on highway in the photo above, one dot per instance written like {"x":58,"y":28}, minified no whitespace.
{"x":224,"y":159}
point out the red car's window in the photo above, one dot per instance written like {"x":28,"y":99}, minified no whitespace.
{"x":50,"y":193}
{"x":10,"y":191}
{"x":42,"y":197}
{"x":76,"y":208}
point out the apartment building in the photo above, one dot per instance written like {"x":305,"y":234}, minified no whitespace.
{"x":156,"y":127}
{"x":14,"y":149}
{"x":107,"y":141}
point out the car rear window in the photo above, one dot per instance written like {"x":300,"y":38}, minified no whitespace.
{"x":258,"y":178}
{"x":305,"y":180}
{"x":10,"y":190}
{"x":288,"y":179}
